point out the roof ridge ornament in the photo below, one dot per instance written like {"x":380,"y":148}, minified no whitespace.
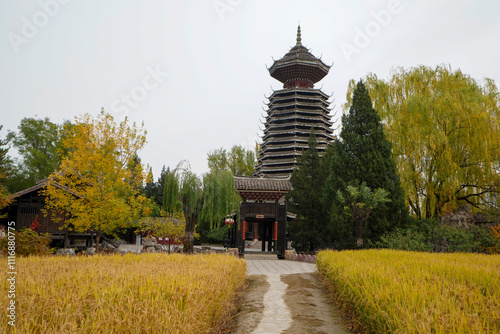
{"x":299,"y":37}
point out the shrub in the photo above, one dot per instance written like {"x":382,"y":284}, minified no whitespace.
{"x":405,"y":239}
{"x":215,"y":235}
{"x":28,"y":242}
{"x":489,"y":241}
{"x":429,"y":235}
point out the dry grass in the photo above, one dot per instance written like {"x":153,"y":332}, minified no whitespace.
{"x":408,"y":292}
{"x":149,"y":293}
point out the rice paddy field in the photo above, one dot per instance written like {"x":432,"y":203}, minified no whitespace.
{"x":147,"y":293}
{"x":390,"y":291}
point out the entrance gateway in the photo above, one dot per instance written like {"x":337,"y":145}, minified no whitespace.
{"x":263,"y":214}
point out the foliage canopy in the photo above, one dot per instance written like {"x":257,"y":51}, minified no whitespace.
{"x":238,"y":160}
{"x":99,"y":181}
{"x":211,"y":198}
{"x":445,"y":131}
{"x":359,"y":202}
{"x":5,"y":172}
{"x":363,"y":154}
{"x":308,"y":181}
{"x":38,"y":142}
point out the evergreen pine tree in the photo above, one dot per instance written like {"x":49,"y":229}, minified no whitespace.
{"x":308,"y":181}
{"x":154,"y":190}
{"x":363,"y":154}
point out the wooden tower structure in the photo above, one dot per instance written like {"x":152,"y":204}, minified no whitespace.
{"x":293,"y":111}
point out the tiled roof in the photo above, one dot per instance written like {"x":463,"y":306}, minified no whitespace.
{"x":262,"y":183}
{"x":39,"y":185}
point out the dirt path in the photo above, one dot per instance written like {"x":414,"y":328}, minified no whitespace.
{"x":251,"y":307}
{"x":312,"y":311}
{"x":308,"y":308}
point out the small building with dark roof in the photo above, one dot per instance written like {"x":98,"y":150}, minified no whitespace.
{"x":263,"y":214}
{"x":27,"y":210}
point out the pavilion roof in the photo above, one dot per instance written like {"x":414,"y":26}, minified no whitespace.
{"x":299,"y":63}
{"x":262,"y":188}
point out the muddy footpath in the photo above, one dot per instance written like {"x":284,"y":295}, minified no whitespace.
{"x":309,"y":303}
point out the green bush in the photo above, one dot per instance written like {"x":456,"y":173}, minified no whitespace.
{"x":488,"y":243}
{"x":405,"y":239}
{"x":429,"y":235}
{"x":216,"y":235}
{"x":28,"y":242}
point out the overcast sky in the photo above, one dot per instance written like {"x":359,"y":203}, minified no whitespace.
{"x":195,"y":71}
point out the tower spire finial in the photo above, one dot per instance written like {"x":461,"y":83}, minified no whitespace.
{"x":299,"y":37}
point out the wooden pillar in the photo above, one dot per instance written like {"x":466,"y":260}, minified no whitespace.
{"x":240,"y":235}
{"x":281,"y":238}
{"x":269,"y":228}
{"x":264,"y":236}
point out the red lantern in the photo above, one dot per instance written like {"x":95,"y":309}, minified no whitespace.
{"x":229,"y":221}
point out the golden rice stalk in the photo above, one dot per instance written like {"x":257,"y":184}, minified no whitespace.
{"x":147,"y":293}
{"x":409,"y":292}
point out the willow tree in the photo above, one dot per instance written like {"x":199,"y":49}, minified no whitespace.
{"x":99,"y":181}
{"x":238,"y":160}
{"x":220,"y":197}
{"x":445,"y":131}
{"x":171,"y":199}
{"x":210,"y":198}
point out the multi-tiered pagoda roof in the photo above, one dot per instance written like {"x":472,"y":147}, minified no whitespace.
{"x":293,"y":111}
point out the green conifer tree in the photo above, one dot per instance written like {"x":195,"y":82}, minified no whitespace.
{"x":308,"y":181}
{"x":363,"y":154}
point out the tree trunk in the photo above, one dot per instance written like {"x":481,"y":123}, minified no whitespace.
{"x":188,"y":242}
{"x":109,"y":241}
{"x":359,"y":233}
{"x":66,"y":240}
{"x":189,"y":235}
{"x":97,"y":240}
{"x":191,"y":221}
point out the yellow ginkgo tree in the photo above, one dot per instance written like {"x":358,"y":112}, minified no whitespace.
{"x":97,"y":187}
